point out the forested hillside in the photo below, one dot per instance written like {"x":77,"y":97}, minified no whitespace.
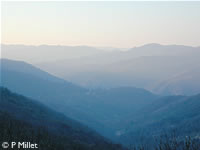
{"x":123,"y":114}
{"x":100,"y":109}
{"x":179,"y":114}
{"x":23,"y":119}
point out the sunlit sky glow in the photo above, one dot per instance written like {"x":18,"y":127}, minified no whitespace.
{"x":115,"y":24}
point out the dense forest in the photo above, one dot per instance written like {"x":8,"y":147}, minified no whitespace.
{"x":19,"y":131}
{"x":122,"y":114}
{"x":130,"y":116}
{"x":22,"y":119}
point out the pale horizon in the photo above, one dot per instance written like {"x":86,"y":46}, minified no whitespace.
{"x":101,"y":24}
{"x":21,"y":44}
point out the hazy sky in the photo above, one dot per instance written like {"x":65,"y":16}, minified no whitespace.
{"x":116,"y":24}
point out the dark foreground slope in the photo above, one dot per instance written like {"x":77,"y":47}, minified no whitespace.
{"x":23,"y":119}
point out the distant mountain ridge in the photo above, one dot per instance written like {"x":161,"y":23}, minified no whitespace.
{"x":187,"y":82}
{"x":146,"y":67}
{"x":36,"y":54}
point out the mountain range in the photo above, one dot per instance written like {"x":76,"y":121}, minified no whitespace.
{"x":161,"y":69}
{"x":154,"y":67}
{"x":122,"y":114}
{"x":90,"y":107}
{"x":36,"y":54}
